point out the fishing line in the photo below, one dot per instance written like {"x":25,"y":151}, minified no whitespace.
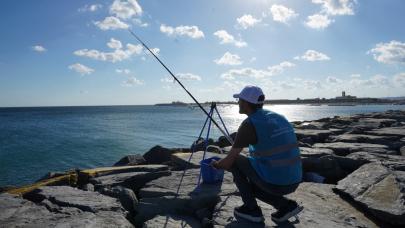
{"x":181,"y":84}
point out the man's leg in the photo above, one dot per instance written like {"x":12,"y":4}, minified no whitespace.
{"x":268,"y":193}
{"x":244,"y":186}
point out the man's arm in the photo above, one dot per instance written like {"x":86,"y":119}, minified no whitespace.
{"x":226,"y":163}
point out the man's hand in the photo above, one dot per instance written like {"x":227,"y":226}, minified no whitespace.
{"x":226,"y":163}
{"x":222,"y":164}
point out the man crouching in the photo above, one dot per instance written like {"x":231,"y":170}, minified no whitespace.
{"x":273,"y":168}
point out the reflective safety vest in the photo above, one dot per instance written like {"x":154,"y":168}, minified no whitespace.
{"x":275,"y":156}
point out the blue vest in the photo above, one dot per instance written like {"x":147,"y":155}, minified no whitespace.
{"x":276,"y":156}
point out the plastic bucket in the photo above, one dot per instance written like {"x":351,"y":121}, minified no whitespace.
{"x":209,"y":174}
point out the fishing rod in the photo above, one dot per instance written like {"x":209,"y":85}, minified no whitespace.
{"x":181,"y":84}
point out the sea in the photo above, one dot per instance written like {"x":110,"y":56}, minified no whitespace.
{"x":38,"y":140}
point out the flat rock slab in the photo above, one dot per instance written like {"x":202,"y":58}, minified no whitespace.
{"x":315,"y":152}
{"x":393,"y":131}
{"x":172,"y":221}
{"x":379,"y":190}
{"x":361,"y":138}
{"x":394,"y":162}
{"x":148,"y":208}
{"x":65,"y":196}
{"x":322,"y":208}
{"x":132,"y":180}
{"x":374,"y":122}
{"x":168,"y":185}
{"x":18,"y":212}
{"x":182,"y":159}
{"x":315,"y":135}
{"x":343,"y":148}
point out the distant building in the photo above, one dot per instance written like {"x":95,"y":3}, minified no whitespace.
{"x":344,"y":96}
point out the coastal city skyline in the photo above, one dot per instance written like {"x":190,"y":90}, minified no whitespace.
{"x":64,"y":53}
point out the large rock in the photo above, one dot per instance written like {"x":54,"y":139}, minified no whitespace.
{"x":394,"y":162}
{"x":160,"y":221}
{"x":158,"y":155}
{"x":133,"y":180}
{"x":223,"y":142}
{"x":126,"y":196}
{"x":398,"y":132}
{"x":374,"y":122}
{"x":343,"y":148}
{"x":308,"y":152}
{"x":402,"y":151}
{"x":380,"y":191}
{"x":183,"y":159}
{"x":66,"y":196}
{"x":168,"y":185}
{"x":360,"y":138}
{"x":18,"y":212}
{"x":133,"y":159}
{"x":148,"y":208}
{"x":199,"y":144}
{"x":315,"y":135}
{"x":322,"y":208}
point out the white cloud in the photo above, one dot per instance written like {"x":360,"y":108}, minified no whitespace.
{"x":81,"y":69}
{"x":123,"y":71}
{"x":132,"y":81}
{"x":125,"y":9}
{"x":312,"y":85}
{"x":188,"y":77}
{"x":114,"y":44}
{"x":318,"y":21}
{"x":282,"y":14}
{"x":253,"y":59}
{"x":247,"y":21}
{"x":244,"y":72}
{"x":38,"y":48}
{"x":285,"y":85}
{"x":140,"y":23}
{"x":183,"y":30}
{"x":90,"y":8}
{"x":117,"y":55}
{"x":278,"y":69}
{"x":333,"y":80}
{"x":256,"y":73}
{"x":355,"y":76}
{"x":337,"y":7}
{"x":227,"y":38}
{"x":229,"y":59}
{"x":375,"y":81}
{"x":111,"y":23}
{"x":399,"y":80}
{"x":391,"y":53}
{"x":168,"y":80}
{"x":311,"y":55}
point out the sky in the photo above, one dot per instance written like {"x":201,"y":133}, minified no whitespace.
{"x":67,"y":53}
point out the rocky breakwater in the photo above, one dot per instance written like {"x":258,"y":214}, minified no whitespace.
{"x":354,"y":169}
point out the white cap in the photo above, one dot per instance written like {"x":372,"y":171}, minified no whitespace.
{"x":250,"y":94}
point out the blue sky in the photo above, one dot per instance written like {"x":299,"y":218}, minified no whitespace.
{"x":56,"y":53}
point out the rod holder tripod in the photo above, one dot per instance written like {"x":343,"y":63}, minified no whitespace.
{"x":208,"y":120}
